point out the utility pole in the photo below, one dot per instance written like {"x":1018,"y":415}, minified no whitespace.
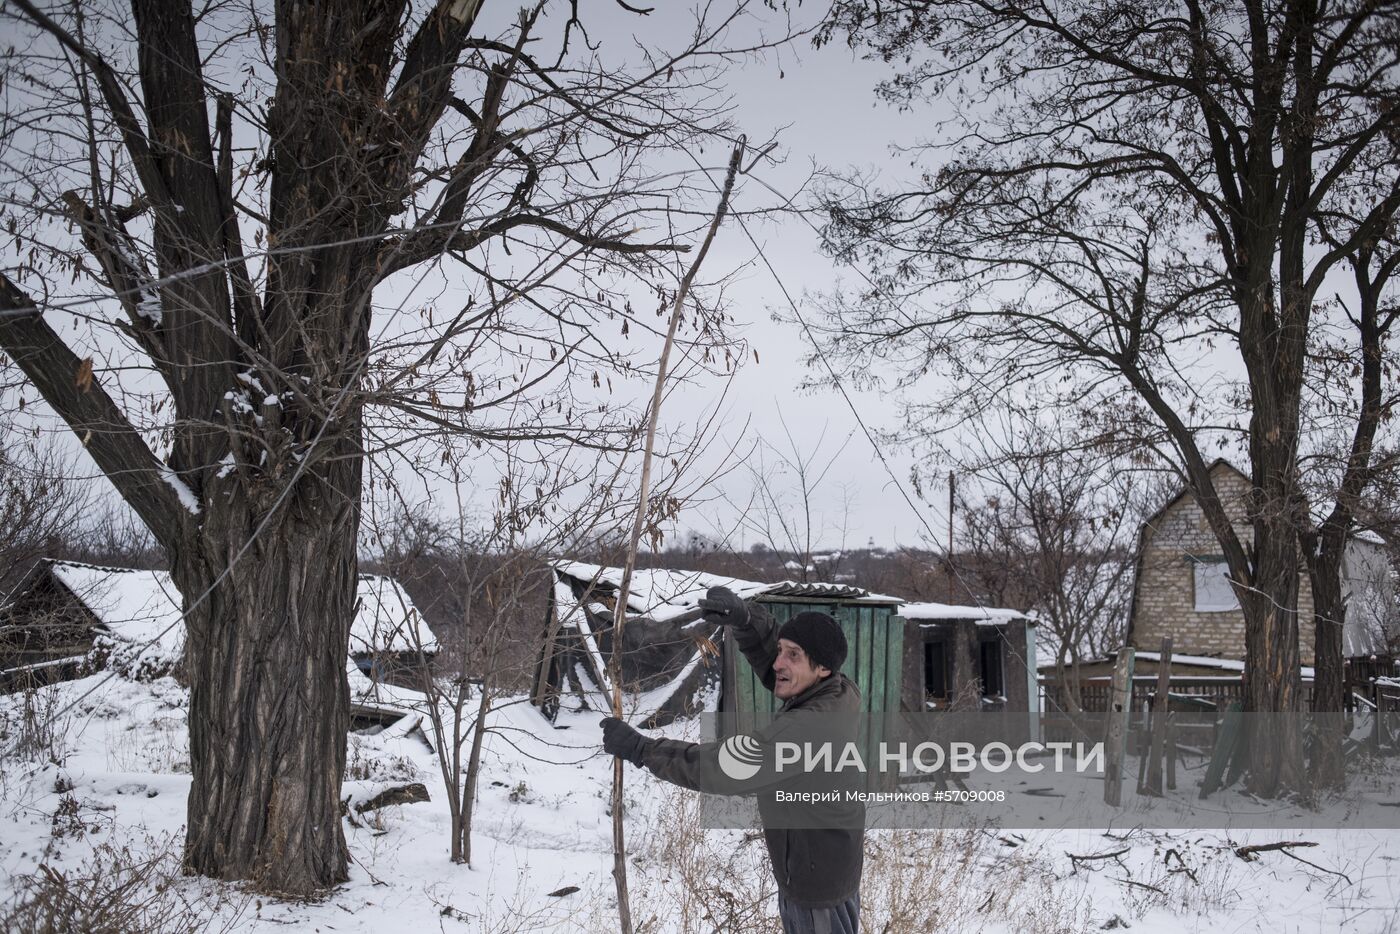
{"x":952,"y":488}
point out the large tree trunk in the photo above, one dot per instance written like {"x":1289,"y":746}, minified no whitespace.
{"x":1271,"y":668}
{"x":1327,"y":766}
{"x":269,"y":706}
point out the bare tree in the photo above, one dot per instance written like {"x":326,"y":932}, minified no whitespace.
{"x":42,"y":504}
{"x":495,"y":589}
{"x":1056,"y":520}
{"x":1129,"y":189}
{"x":240,"y":202}
{"x":791,"y":506}
{"x":489,"y":573}
{"x":1355,"y":395}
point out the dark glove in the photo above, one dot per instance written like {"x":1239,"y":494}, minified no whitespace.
{"x":723,"y":607}
{"x":622,"y":741}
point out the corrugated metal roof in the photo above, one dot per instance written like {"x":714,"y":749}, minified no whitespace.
{"x":835,"y":591}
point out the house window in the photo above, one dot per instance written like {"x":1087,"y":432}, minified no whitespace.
{"x":936,"y":669}
{"x":990,"y":665}
{"x":1212,"y":583}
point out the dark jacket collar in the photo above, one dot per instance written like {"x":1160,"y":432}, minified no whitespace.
{"x":822,"y":693}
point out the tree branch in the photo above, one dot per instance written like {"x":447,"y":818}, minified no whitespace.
{"x":114,"y":444}
{"x":132,"y":133}
{"x":425,"y":83}
{"x":402,"y":255}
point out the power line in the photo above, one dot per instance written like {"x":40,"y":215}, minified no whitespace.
{"x":869,"y":435}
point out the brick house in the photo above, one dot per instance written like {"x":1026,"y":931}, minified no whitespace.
{"x":1181,"y":587}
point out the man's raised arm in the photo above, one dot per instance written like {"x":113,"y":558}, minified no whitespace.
{"x":754,"y":630}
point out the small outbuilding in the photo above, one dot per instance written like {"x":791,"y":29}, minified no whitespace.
{"x":969,"y":658}
{"x":67,"y":619}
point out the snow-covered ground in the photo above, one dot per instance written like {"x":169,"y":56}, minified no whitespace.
{"x":112,"y":813}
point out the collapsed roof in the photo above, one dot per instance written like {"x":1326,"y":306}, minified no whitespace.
{"x":667,"y":595}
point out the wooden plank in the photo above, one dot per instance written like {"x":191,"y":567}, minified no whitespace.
{"x":545,"y":669}
{"x":1117,"y":734}
{"x":1381,"y":735}
{"x":880,"y":659}
{"x":894,"y":681}
{"x":743,"y":692}
{"x":782,"y":612}
{"x":845,"y":617}
{"x":727,"y":687}
{"x":898,"y":664}
{"x":911,"y":696}
{"x":1225,"y":743}
{"x":865,"y":638}
{"x":1171,"y":751}
{"x":874,"y":700}
{"x":1152,"y":785}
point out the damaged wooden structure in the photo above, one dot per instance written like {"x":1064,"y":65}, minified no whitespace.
{"x":66,"y":620}
{"x":672,"y":665}
{"x":969,"y":658}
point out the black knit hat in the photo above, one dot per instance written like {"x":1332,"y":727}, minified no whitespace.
{"x":820,"y":637}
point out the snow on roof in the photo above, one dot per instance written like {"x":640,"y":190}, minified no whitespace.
{"x":1202,"y":661}
{"x":667,"y":594}
{"x":137,"y":607}
{"x":1205,"y":661}
{"x":386,"y":619}
{"x":660,"y":594}
{"x":1199,"y":661}
{"x":984,"y":615}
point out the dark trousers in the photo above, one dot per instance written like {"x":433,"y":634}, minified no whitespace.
{"x":843,"y":918}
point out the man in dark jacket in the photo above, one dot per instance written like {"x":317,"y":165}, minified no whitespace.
{"x":816,"y":848}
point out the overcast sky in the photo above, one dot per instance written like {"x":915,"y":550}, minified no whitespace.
{"x":822,"y":105}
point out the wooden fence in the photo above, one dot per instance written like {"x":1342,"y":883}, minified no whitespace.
{"x":1363,"y":669}
{"x":1361,"y":673}
{"x":1094,"y":692}
{"x":1379,"y":695}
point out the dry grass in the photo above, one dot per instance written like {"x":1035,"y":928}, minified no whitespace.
{"x":365,"y":760}
{"x":161,"y":746}
{"x":691,"y":880}
{"x":962,"y":880}
{"x":129,"y":889}
{"x":33,"y":729}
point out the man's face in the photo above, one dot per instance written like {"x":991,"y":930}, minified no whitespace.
{"x":794,"y":671}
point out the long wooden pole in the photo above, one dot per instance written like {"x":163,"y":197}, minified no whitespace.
{"x":1161,"y":706}
{"x":1120,"y":710}
{"x":624,"y":908}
